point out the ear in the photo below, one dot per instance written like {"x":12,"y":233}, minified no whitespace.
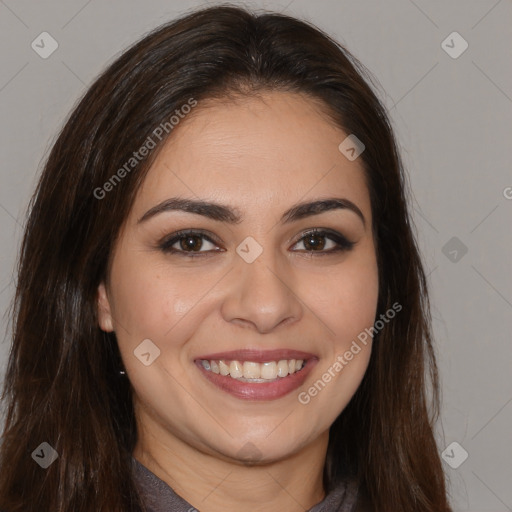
{"x":104,"y":309}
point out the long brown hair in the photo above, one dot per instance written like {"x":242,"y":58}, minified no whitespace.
{"x":62,"y":384}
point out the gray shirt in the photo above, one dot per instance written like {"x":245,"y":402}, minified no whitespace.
{"x":159,"y":497}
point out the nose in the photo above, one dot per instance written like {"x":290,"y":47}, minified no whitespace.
{"x":261,"y":295}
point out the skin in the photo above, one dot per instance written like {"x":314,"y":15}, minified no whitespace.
{"x":260,"y":155}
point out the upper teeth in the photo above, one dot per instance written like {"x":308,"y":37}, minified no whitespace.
{"x":251,"y":370}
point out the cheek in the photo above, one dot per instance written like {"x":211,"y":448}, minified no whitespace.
{"x":348,"y":298}
{"x":357,"y":303}
{"x":350,"y":308}
{"x":356,"y":309}
{"x":150,"y":299}
{"x":156,"y":303}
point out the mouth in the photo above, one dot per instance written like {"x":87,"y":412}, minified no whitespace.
{"x":257,"y":375}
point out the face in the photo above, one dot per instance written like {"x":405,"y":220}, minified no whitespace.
{"x":252,"y":287}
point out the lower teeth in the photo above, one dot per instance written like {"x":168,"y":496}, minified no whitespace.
{"x":242,"y":379}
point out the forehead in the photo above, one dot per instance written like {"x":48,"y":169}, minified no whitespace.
{"x":278,"y":147}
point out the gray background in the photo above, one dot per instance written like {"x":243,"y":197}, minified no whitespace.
{"x":453,"y":120}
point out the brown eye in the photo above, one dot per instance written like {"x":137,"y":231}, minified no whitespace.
{"x":324,"y":241}
{"x":195,"y":243}
{"x":314,"y":241}
{"x":189,"y":243}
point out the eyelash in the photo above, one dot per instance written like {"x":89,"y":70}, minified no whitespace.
{"x":166,"y":244}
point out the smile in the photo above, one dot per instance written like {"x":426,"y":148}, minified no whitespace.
{"x":251,"y":371}
{"x":256,"y":375}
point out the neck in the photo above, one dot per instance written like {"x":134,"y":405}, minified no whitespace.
{"x":213,"y":483}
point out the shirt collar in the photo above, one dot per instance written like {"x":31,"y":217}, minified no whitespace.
{"x":160,"y":497}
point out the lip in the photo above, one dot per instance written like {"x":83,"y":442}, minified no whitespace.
{"x":258,"y":391}
{"x":258,"y":356}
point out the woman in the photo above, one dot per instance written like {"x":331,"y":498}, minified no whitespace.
{"x":220,"y":301}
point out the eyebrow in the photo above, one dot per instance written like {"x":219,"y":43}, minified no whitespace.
{"x":223,"y":213}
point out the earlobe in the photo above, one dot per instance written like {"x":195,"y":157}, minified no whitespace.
{"x":104,"y":311}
